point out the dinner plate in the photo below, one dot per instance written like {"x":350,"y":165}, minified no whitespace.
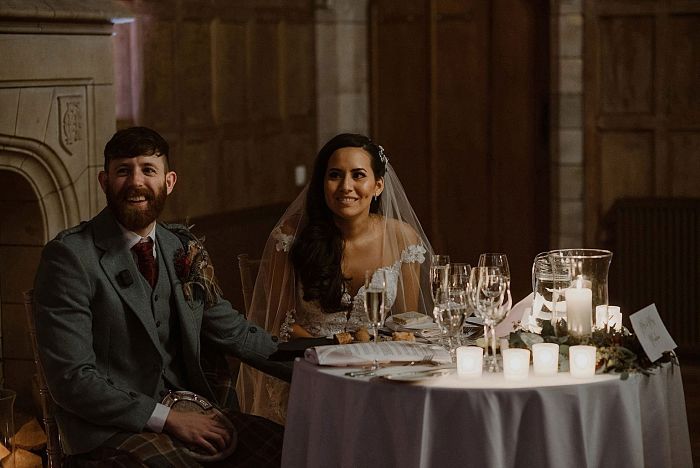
{"x":428,"y":325}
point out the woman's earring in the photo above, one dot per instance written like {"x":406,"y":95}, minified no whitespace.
{"x":375,"y":199}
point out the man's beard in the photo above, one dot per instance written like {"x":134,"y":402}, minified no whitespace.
{"x":135,"y":218}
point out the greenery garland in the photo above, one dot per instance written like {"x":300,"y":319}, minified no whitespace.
{"x":616,"y":351}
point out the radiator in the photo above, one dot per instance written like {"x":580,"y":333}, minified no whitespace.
{"x":656,"y":259}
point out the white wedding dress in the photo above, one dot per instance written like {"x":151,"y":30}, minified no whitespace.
{"x":310,"y":316}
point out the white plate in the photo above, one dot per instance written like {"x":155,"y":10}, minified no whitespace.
{"x":428,"y":325}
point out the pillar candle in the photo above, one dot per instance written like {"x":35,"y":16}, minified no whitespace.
{"x":579,"y":305}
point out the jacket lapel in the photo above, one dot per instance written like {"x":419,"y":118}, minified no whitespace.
{"x":115,"y":261}
{"x":168,"y":245}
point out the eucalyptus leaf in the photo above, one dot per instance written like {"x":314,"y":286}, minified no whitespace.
{"x":531,"y":338}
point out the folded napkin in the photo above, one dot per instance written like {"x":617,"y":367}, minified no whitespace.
{"x":514,"y":316}
{"x":358,"y":354}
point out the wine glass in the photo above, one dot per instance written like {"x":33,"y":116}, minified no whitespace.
{"x":375,"y":287}
{"x":439,"y":273}
{"x":495,"y":259}
{"x":492,"y":287}
{"x":450,"y":311}
{"x":498,"y":260}
{"x":459,"y":275}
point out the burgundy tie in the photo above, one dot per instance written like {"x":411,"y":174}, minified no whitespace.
{"x":147,"y":263}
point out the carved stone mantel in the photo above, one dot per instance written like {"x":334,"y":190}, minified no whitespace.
{"x":57,"y":101}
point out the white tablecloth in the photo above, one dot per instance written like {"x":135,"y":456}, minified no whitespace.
{"x":338,"y":421}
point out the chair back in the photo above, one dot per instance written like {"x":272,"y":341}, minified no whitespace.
{"x":54,"y":452}
{"x":249,"y":271}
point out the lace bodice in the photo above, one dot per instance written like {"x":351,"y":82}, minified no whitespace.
{"x":309,"y":315}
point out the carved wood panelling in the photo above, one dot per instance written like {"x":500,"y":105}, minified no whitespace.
{"x":459,"y":94}
{"x":642,"y":109}
{"x":231,"y":85}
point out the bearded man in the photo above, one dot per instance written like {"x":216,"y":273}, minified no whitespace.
{"x":124,"y":306}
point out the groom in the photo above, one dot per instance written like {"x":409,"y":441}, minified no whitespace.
{"x":124,"y":306}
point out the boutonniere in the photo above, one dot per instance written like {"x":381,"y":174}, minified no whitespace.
{"x":196,"y":273}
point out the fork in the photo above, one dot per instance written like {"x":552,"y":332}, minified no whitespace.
{"x":426,"y":360}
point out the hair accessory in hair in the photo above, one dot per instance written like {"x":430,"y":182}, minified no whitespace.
{"x":382,"y":155}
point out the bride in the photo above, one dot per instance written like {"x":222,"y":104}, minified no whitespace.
{"x":352,"y":217}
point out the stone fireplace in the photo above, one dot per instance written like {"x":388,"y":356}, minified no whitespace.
{"x":56,"y":110}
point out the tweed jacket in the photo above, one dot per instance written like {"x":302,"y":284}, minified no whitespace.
{"x":98,"y":338}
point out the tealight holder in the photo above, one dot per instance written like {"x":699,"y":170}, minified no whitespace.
{"x":470,"y":361}
{"x":516,"y":363}
{"x":582,"y":361}
{"x":545,"y":359}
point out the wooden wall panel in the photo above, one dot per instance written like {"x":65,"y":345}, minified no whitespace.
{"x":158,"y":74}
{"x":400,"y":118}
{"x":196,"y":80}
{"x":236,"y":74}
{"x":264,"y":71}
{"x":231,"y":73}
{"x":683,"y":106}
{"x":627,"y":64}
{"x":684,"y":158}
{"x":461,"y":49}
{"x":475,"y":74}
{"x":619,"y":152}
{"x":642,"y":73}
{"x":297,"y":82}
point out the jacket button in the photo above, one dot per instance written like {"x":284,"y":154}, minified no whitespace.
{"x":252,"y":329}
{"x":133,"y":394}
{"x":155,"y":298}
{"x":110,"y":381}
{"x":158,"y":324}
{"x":275,"y":339}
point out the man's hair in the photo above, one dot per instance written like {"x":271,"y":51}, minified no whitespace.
{"x":136,"y":141}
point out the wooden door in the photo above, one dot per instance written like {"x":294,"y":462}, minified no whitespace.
{"x":459,"y":99}
{"x":642,"y":75}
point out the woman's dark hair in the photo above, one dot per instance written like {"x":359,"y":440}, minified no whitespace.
{"x":136,"y":141}
{"x":318,"y":249}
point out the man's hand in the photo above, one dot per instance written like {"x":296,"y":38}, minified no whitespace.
{"x":195,"y":429}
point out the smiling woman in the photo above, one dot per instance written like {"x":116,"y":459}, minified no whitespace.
{"x":352,"y":218}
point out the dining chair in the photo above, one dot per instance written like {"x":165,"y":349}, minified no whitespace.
{"x":249,"y":271}
{"x":54,"y":451}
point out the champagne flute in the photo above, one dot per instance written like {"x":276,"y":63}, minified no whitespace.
{"x":375,"y":287}
{"x":439,"y":269}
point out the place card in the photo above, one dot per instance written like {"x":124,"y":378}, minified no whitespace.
{"x":651,"y":332}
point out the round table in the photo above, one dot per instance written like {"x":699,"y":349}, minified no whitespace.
{"x":339,"y":421}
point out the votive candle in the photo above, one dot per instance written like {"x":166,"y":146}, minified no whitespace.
{"x":516,"y":363}
{"x":579,"y":305}
{"x":545,"y":358}
{"x":601,"y":317}
{"x":615,"y":318}
{"x":470,"y":361}
{"x":582,"y":361}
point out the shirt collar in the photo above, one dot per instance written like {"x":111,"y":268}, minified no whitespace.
{"x":131,"y":238}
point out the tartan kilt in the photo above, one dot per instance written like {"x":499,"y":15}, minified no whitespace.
{"x":259,"y":445}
